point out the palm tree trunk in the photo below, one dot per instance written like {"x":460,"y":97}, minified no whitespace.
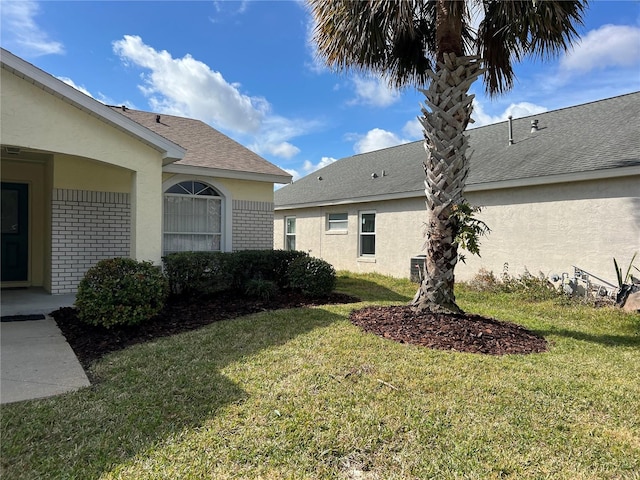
{"x":446,"y":168}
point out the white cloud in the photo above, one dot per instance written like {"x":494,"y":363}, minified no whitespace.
{"x":413,"y":129}
{"x":282,"y":149}
{"x":605,"y":47}
{"x":374,"y":92}
{"x":71,"y":83}
{"x":516,"y":110}
{"x":188,"y":87}
{"x":309,"y":167}
{"x":22,"y":34}
{"x":377,"y":139}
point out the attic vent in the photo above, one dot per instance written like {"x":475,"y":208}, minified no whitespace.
{"x":124,"y":108}
{"x":374,"y":175}
{"x":157,"y":118}
{"x":534,"y":126}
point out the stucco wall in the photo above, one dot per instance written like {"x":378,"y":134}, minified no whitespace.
{"x":544,"y":228}
{"x":32,"y":118}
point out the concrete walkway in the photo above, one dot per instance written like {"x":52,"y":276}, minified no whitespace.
{"x":35,"y":359}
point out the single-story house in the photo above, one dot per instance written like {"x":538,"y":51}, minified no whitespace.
{"x":564,"y":191}
{"x":82,"y":181}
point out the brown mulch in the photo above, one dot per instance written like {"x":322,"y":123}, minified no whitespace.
{"x":461,"y":333}
{"x":179,"y":315}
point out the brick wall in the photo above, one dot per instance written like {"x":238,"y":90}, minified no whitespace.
{"x":252,"y":225}
{"x":86,"y":227}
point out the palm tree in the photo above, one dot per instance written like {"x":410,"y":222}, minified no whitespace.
{"x":431,"y":43}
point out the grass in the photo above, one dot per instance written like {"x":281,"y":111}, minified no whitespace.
{"x":303,"y":394}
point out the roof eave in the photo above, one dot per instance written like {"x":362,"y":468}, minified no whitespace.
{"x":222,"y":173}
{"x":171,"y":152}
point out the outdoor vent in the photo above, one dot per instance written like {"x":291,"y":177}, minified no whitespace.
{"x":12,"y":150}
{"x":534,"y":126}
{"x":417,"y":268}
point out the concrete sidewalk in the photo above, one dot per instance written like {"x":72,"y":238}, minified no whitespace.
{"x":35,"y":359}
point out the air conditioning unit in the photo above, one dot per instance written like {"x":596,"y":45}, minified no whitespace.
{"x":417,"y":268}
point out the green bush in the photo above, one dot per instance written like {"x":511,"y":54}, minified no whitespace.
{"x":121,"y":291}
{"x":198,"y":272}
{"x":212,"y":272}
{"x":312,"y":276}
{"x":264,"y":289}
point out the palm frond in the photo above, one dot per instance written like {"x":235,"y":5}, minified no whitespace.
{"x":514,"y":29}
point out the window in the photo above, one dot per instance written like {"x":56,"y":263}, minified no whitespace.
{"x":367,"y":233}
{"x":192,"y":218}
{"x":290,"y":233}
{"x":337,"y":221}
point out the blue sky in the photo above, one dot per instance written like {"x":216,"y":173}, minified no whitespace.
{"x":249,"y":70}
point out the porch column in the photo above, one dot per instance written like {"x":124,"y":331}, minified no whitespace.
{"x":146,"y":214}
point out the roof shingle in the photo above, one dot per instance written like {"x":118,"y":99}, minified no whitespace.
{"x":206,"y":147}
{"x":592,"y":137}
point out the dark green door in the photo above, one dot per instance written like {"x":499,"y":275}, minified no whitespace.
{"x":15,"y":232}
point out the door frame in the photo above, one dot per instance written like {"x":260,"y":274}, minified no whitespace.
{"x":27,"y":282}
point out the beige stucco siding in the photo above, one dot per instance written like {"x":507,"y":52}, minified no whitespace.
{"x":543,"y":228}
{"x":77,"y":173}
{"x":32,"y":118}
{"x":550,"y":228}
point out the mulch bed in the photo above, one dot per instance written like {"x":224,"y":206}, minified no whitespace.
{"x":462,"y":333}
{"x":179,"y":315}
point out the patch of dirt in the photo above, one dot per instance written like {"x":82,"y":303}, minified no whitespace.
{"x":461,"y":333}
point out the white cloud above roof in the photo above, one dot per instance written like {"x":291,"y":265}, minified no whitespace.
{"x":607,"y":46}
{"x":309,"y":167}
{"x":377,"y":139}
{"x":516,"y":110}
{"x":21,"y":31}
{"x":190,"y":88}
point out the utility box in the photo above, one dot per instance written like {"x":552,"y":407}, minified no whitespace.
{"x":416,"y":270}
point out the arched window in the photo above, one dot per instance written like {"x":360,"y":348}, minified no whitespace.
{"x":192,"y":218}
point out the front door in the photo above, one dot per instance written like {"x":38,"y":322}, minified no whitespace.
{"x":15,"y":232}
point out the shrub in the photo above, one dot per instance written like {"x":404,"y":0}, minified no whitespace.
{"x":312,"y":276}
{"x":264,"y":289}
{"x":204,"y":273}
{"x":197,"y":272}
{"x":121,"y":291}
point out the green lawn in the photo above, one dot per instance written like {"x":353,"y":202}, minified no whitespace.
{"x":299,"y":394}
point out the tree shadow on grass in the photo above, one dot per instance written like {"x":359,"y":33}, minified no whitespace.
{"x":372,"y":290}
{"x":145,"y":395}
{"x":607,"y":340}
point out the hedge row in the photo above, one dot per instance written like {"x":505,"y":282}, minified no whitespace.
{"x":211,"y":272}
{"x":122,"y":291}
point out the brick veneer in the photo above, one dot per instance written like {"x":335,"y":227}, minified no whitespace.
{"x":86,"y":227}
{"x":252,"y":225}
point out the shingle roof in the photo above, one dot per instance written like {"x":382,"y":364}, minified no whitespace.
{"x":593,"y":137}
{"x":206,"y":147}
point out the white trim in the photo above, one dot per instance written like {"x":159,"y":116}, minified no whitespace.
{"x":287,"y":234}
{"x":171,"y":151}
{"x":367,"y":234}
{"x":478,"y":187}
{"x":227,"y":206}
{"x":222,"y":173}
